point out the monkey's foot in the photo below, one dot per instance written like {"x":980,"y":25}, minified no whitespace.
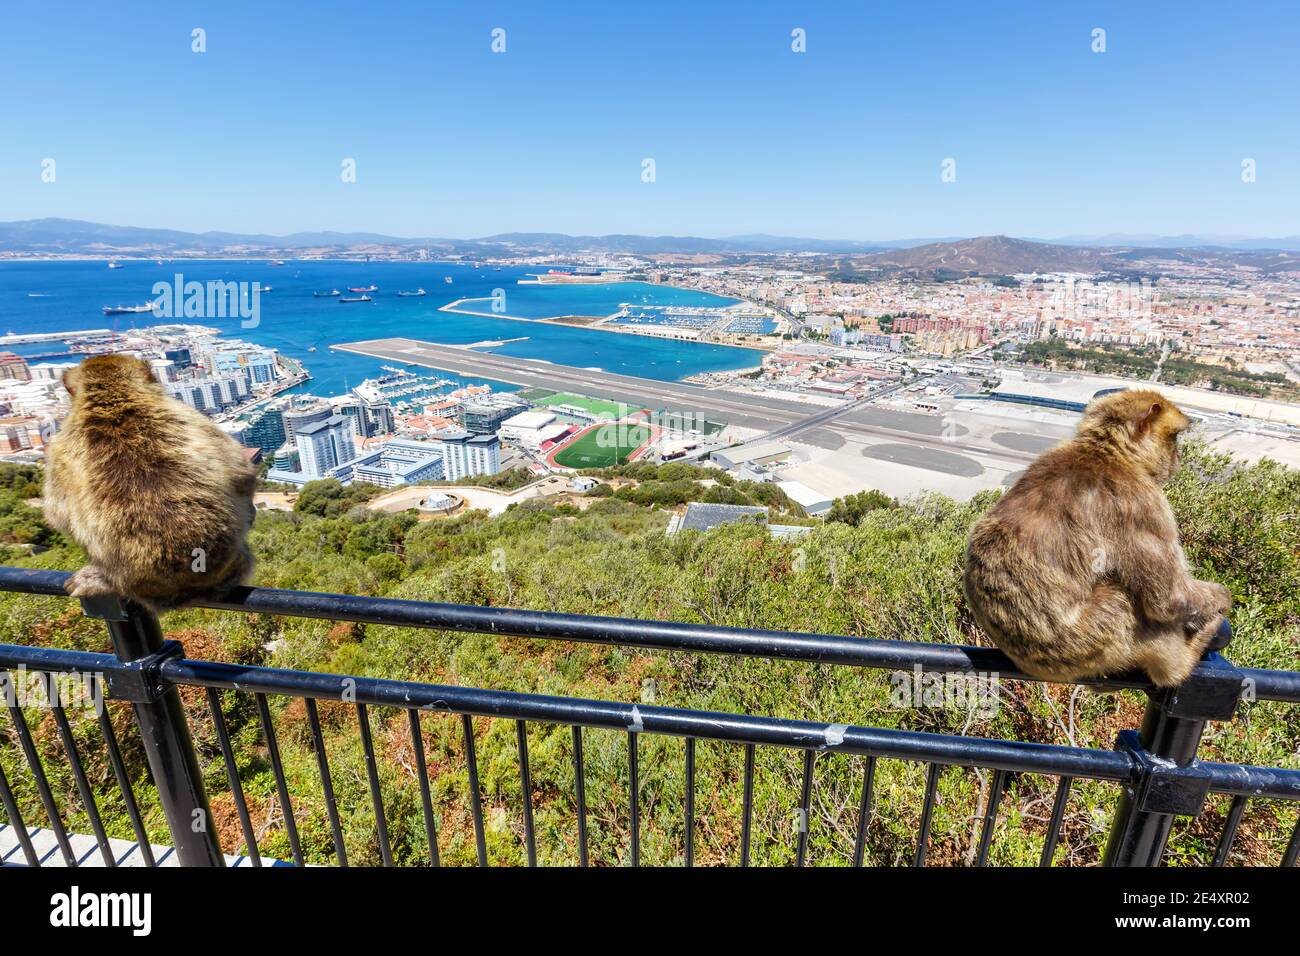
{"x":1221,"y":637}
{"x":89,"y":582}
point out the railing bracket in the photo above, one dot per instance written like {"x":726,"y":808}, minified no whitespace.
{"x":1160,"y":785}
{"x":137,"y":680}
{"x":104,"y":607}
{"x":1210,"y":693}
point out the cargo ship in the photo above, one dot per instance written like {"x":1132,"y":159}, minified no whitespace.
{"x":128,"y":309}
{"x":359,"y":298}
{"x":417,"y":292}
{"x":369,"y":288}
{"x":327,"y":295}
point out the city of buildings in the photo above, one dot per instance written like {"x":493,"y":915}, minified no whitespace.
{"x":900,"y":383}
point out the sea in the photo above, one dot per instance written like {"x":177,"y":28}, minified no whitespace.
{"x":67,"y":295}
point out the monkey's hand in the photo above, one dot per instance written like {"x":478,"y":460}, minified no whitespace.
{"x":1213,"y":601}
{"x":89,"y":582}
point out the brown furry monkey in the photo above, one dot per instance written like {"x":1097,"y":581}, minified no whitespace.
{"x":1078,"y":572}
{"x":160,"y":498}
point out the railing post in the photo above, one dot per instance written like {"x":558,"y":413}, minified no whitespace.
{"x":138,"y":640}
{"x":1171,"y":732}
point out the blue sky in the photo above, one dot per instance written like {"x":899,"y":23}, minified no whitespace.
{"x":845,"y":140}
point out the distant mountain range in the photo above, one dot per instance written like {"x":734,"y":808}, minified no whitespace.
{"x":71,"y":236}
{"x":984,"y":255}
{"x":1003,"y":255}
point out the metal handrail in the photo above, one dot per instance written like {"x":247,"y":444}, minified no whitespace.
{"x":642,"y":634}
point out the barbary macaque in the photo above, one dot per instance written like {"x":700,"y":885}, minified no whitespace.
{"x":1078,"y":571}
{"x":158,"y":496}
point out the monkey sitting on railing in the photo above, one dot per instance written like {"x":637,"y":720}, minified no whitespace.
{"x":1078,"y":571}
{"x":160,"y":498}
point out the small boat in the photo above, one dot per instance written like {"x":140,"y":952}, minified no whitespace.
{"x":276,"y":262}
{"x":359,"y":298}
{"x":311,"y":348}
{"x":417,"y":292}
{"x":265,"y":288}
{"x":369,"y":288}
{"x":447,"y":279}
{"x":114,"y":264}
{"x":327,"y":295}
{"x":128,"y":309}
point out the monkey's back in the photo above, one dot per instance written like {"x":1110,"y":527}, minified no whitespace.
{"x":1037,"y":561}
{"x":158,"y":496}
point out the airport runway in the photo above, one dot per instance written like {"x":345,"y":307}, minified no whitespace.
{"x":762,"y":413}
{"x":758,"y":412}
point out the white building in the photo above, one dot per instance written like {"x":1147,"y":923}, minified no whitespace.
{"x":210,"y":395}
{"x":39,"y":397}
{"x":323,"y":446}
{"x":467,"y":456}
{"x":50,"y":370}
{"x":399,"y":461}
{"x":812,"y":502}
{"x":532,"y":429}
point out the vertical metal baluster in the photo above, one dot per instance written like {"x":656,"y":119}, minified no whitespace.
{"x":372,"y":775}
{"x":580,"y":788}
{"x":748,"y":811}
{"x":1054,"y":827}
{"x":805,"y":808}
{"x":79,"y":777}
{"x":864,"y":811}
{"x":634,"y":788}
{"x":475,"y":799}
{"x":690,"y":801}
{"x":232,"y":776}
{"x":326,"y":783}
{"x":123,"y":780}
{"x":1292,"y":852}
{"x":38,"y":774}
{"x":268,"y":731}
{"x":164,"y":732}
{"x":1229,"y":830}
{"x":526,"y":786}
{"x":990,"y":816}
{"x":927,"y":810}
{"x":16,"y":821}
{"x":426,"y":800}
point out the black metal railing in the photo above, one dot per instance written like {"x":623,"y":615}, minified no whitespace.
{"x":1157,"y":767}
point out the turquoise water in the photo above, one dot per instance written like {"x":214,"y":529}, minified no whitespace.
{"x":62,"y":296}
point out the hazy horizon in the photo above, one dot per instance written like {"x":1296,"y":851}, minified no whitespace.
{"x":1064,"y":240}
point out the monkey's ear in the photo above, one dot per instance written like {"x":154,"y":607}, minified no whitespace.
{"x":72,"y":379}
{"x":1149,"y":416}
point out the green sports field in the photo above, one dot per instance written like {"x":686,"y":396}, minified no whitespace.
{"x":595,"y":406}
{"x":603,"y":447}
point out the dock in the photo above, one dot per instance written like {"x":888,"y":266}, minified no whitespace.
{"x":51,"y":336}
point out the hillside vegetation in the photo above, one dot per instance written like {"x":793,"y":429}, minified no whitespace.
{"x":883,"y":569}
